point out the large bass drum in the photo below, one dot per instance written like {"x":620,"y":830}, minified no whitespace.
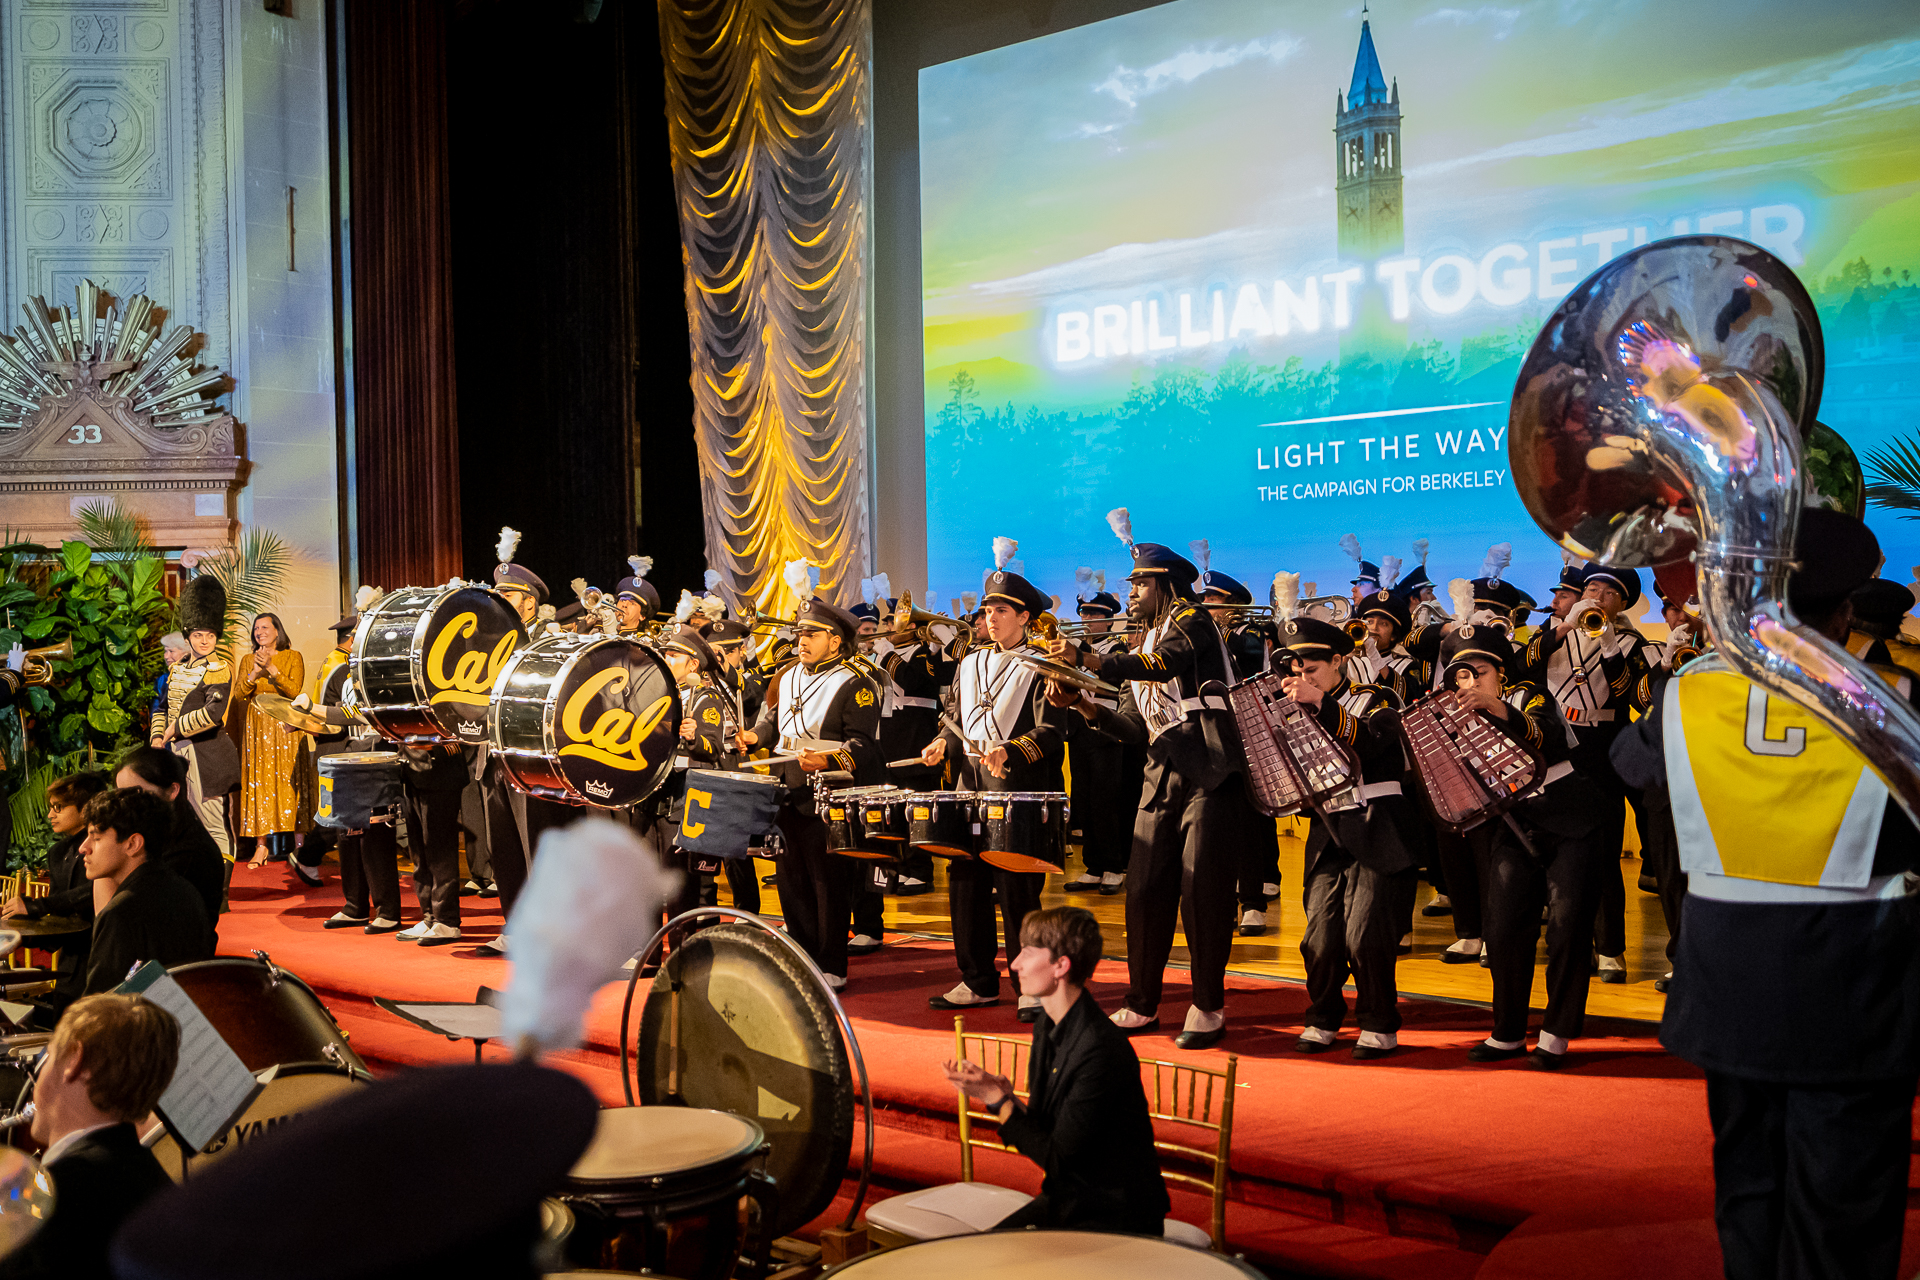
{"x":586,"y":719}
{"x":425,"y":659}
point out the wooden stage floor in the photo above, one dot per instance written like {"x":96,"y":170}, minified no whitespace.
{"x":1277,"y":954}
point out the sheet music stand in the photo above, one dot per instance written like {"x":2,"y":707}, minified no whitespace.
{"x":478,"y":1021}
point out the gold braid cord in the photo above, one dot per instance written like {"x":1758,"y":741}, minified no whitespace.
{"x":768,"y":111}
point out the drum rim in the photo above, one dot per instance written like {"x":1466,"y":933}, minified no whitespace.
{"x":755,"y":1139}
{"x":1233,"y":1264}
{"x":950,"y":797}
{"x":570,"y":648}
{"x":361,"y":758}
{"x":1023,"y":795}
{"x":356,"y":1068}
{"x":384,"y":608}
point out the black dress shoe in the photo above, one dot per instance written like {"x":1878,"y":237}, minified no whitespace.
{"x":391,"y":927}
{"x":1613,"y":977}
{"x":1661,"y":984}
{"x":1437,"y":909}
{"x":1484,"y":1052}
{"x":309,"y":876}
{"x":941,"y":1002}
{"x":1080,"y":886}
{"x":1199,"y":1039}
{"x":342,"y":922}
{"x":866,"y":950}
{"x":1304,"y":1045}
{"x":1541,"y":1060}
{"x":1368,"y":1052}
{"x":1108,"y":890}
{"x":488,"y":889}
{"x":1648,"y":884}
{"x":468,"y":888}
{"x":1461,"y":957}
{"x":1029,"y":1014}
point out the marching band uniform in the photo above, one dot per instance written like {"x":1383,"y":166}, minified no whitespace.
{"x":1359,"y":862}
{"x":1594,"y":682}
{"x":1106,"y":778}
{"x":1792,"y":987}
{"x":431,"y":779}
{"x":910,"y":718}
{"x":710,"y":746}
{"x":369,"y":859}
{"x":1249,"y":642}
{"x":832,"y":701}
{"x":1194,"y":813}
{"x":198,"y":692}
{"x":999,"y":705}
{"x":727,"y":638}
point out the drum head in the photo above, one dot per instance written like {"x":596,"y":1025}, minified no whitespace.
{"x":285,"y":1097}
{"x":614,"y":722}
{"x":1044,"y":1255}
{"x":457,"y":647}
{"x":758,"y":1038}
{"x":658,"y":1142}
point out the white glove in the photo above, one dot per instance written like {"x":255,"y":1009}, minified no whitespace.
{"x":16,"y":658}
{"x":303,"y":702}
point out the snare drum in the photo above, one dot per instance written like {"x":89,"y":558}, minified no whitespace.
{"x":425,"y":659}
{"x":1044,"y":1255}
{"x":356,"y":785}
{"x":943,"y":822}
{"x":586,"y":719}
{"x":844,"y":812}
{"x":1024,"y":830}
{"x":660,"y":1189}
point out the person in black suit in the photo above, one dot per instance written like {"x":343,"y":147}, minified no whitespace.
{"x":1085,"y":1120}
{"x":189,"y":850}
{"x":70,"y":892}
{"x":154,"y":914}
{"x":432,"y":779}
{"x":108,"y":1063}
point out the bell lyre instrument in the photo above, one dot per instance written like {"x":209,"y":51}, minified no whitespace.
{"x":1663,"y":412}
{"x":1293,"y":763}
{"x":1468,"y":770}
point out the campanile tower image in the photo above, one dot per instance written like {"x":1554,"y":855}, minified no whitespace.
{"x":1366,"y":133}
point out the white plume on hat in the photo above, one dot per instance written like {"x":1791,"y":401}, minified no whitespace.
{"x":799,"y":579}
{"x":1202,"y":554}
{"x":868,"y":592}
{"x":1389,"y":572}
{"x":1350,"y":545}
{"x":1099,"y":580}
{"x":1499,"y":556}
{"x":1003,"y":549}
{"x":1460,"y":591}
{"x":882,"y":587}
{"x":714,"y":607}
{"x":1082,"y":580}
{"x":1568,"y":559}
{"x":365,"y":598}
{"x":1420,"y":546}
{"x":589,"y":905}
{"x":508,"y":544}
{"x":545,"y":613}
{"x":712,"y":580}
{"x":1121,"y":522}
{"x":640,"y":565}
{"x":684,"y":610}
{"x":1286,"y":595}
{"x":970,"y":599}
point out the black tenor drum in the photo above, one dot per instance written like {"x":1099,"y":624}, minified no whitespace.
{"x":883,"y":815}
{"x":944,"y":822}
{"x":587,"y":719}
{"x":425,"y":659}
{"x":735,"y":1022}
{"x":356,"y":785}
{"x":1024,"y":830}
{"x":844,"y":813}
{"x":660,"y":1190}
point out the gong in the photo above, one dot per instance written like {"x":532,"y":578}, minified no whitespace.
{"x":757,"y":1036}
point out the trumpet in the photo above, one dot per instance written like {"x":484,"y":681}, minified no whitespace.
{"x":38,"y":669}
{"x":1590,"y":618}
{"x":908,"y":616}
{"x":1355,"y":628}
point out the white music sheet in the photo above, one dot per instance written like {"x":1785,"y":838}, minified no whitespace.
{"x":210,"y":1086}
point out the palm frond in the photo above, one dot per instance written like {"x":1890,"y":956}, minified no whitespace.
{"x":1893,"y":477}
{"x":255,"y":575}
{"x":112,"y":530}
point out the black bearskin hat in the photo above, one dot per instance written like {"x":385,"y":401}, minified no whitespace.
{"x":202,"y":606}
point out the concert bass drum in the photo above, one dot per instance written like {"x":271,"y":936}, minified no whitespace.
{"x":591,"y":720}
{"x":425,"y":659}
{"x":660,"y":1190}
{"x":734,"y":1022}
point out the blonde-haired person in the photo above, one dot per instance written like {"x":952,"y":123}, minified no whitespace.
{"x":110,"y":1059}
{"x":276,"y":798}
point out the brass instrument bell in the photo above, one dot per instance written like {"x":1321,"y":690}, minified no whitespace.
{"x":38,"y":669}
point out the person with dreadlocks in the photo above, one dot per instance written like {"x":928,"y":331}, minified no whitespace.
{"x":1194,"y":812}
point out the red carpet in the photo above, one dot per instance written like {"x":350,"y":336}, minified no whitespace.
{"x":1420,"y":1165}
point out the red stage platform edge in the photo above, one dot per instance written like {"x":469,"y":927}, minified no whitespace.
{"x":1418,"y":1166}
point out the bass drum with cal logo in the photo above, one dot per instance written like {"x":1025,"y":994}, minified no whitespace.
{"x":425,"y":659}
{"x":586,"y":719}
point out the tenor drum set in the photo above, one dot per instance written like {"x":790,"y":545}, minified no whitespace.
{"x":1010,"y":830}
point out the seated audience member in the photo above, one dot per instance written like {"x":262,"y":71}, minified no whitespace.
{"x":189,"y":852}
{"x":71,"y":893}
{"x":1085,"y":1121}
{"x":153,"y":914}
{"x":110,"y":1060}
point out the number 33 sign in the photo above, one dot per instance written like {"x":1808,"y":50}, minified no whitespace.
{"x":83,"y":433}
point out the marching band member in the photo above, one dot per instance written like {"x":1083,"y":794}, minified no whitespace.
{"x":1359,"y":862}
{"x":1250,"y":643}
{"x":1366,"y":578}
{"x":1595,"y":677}
{"x":1106,"y":773}
{"x":707,"y":729}
{"x":635,"y":599}
{"x":825,"y":697}
{"x":740,"y":684}
{"x":1007,"y":747}
{"x":1560,"y":864}
{"x":915,"y":669}
{"x":1879,"y":608}
{"x":199,"y":688}
{"x":1194,"y":812}
{"x":1382,"y":658}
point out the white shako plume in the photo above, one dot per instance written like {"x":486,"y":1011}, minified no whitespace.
{"x":508,"y":544}
{"x":1286,"y":596}
{"x":684,"y":610}
{"x":1351,"y":545}
{"x":1389,"y":572}
{"x":1121,"y":522}
{"x":1460,"y":591}
{"x":1499,"y":556}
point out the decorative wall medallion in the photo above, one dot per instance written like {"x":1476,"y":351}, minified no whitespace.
{"x":43,"y":34}
{"x":148,"y":34}
{"x":152,"y":224}
{"x":100,"y":127}
{"x":49,"y":223}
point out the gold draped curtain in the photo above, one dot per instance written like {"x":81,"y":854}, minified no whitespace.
{"x":768,"y":112}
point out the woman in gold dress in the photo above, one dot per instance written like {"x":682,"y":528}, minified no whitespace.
{"x":276,"y":797}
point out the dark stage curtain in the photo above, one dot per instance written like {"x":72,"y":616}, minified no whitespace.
{"x":407,"y":454}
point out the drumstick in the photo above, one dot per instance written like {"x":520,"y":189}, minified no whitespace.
{"x":908,"y":763}
{"x":770,"y":760}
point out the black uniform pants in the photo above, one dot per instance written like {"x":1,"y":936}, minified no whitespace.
{"x":1810,"y":1182}
{"x":473,"y":821}
{"x":1516,"y":885}
{"x":433,"y":832}
{"x":1185,"y":861}
{"x":742,"y":882}
{"x":1351,"y":929}
{"x":515,"y":822}
{"x":1259,"y":862}
{"x":869,"y":903}
{"x":1460,"y":859}
{"x":1660,"y":858}
{"x":1103,"y":803}
{"x":972,"y":889}
{"x":370,"y":872}
{"x":815,"y":889}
